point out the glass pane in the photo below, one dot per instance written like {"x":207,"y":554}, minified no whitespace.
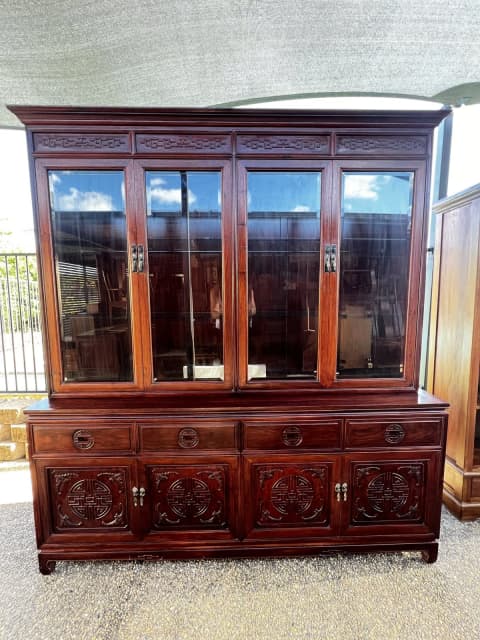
{"x":184,"y":227}
{"x":283,"y":273}
{"x":374,"y":262}
{"x":90,"y":246}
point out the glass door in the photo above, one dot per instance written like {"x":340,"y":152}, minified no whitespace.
{"x":85,"y":215}
{"x":283,"y":217}
{"x":380,"y":243}
{"x":186,"y":224}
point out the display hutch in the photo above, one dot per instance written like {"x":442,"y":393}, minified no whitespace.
{"x":454,"y":353}
{"x":232,"y":304}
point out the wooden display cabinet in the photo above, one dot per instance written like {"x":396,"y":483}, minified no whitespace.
{"x":454,"y":352}
{"x":232,"y":305}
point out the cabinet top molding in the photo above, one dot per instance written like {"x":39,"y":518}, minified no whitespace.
{"x":130,"y":116}
{"x":460,"y":199}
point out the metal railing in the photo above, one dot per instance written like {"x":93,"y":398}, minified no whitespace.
{"x":21,"y":354}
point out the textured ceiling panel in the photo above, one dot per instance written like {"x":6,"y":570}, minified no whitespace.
{"x":209,"y":52}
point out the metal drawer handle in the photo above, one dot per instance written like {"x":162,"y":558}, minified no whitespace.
{"x":134,"y":254}
{"x":188,"y":438}
{"x":394,"y":433}
{"x":141,"y":258}
{"x":338,"y":491}
{"x":292,"y":436}
{"x":83,"y":440}
{"x":341,"y":491}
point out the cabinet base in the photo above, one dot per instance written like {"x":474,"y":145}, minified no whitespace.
{"x":464,"y":511}
{"x":47,"y":559}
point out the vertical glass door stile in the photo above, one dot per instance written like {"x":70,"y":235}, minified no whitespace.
{"x":283,"y":226}
{"x":375,"y":250}
{"x":90,"y":235}
{"x":184,"y":250}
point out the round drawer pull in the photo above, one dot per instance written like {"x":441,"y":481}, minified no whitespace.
{"x":83,"y":439}
{"x":394,"y":433}
{"x":188,"y":438}
{"x":292,"y":436}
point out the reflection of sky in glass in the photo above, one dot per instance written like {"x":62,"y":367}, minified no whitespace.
{"x":385,"y":192}
{"x":164,"y":191}
{"x":87,"y":190}
{"x":282,"y":191}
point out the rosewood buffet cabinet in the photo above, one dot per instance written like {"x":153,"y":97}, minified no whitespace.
{"x":232,"y":310}
{"x":454,"y":366}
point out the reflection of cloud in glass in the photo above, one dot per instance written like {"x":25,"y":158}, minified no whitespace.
{"x":361,"y":186}
{"x":55,"y":178}
{"x":300,"y":208}
{"x":377,"y":192}
{"x":161,"y":195}
{"x":77,"y":200}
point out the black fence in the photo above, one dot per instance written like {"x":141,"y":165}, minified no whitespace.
{"x":21,"y":353}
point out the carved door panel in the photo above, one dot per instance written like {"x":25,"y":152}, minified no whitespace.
{"x":400,"y":494}
{"x":190,"y":494}
{"x":86,"y":499}
{"x":286,"y":497}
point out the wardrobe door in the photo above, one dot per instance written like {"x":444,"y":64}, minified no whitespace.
{"x":284,"y":219}
{"x":185,"y":263}
{"x":379,"y":208}
{"x":87,"y":230}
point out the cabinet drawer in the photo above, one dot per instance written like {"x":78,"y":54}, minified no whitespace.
{"x":293,"y":435}
{"x":82,"y":438}
{"x":186,"y":436}
{"x":393,"y":433}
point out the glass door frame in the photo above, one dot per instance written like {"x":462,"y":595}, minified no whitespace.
{"x":224,"y":166}
{"x":48,"y":277}
{"x":325,"y":289}
{"x":416,"y":272}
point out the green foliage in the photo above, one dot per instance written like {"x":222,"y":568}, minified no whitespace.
{"x":19,"y":297}
{"x":20,"y":263}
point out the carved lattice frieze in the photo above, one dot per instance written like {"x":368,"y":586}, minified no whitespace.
{"x":283,"y":144}
{"x":171,"y":143}
{"x":354,"y":144}
{"x":80,"y":142}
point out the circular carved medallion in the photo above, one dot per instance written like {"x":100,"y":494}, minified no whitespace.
{"x":292,"y":493}
{"x":90,"y":499}
{"x":189,"y":497}
{"x":188,"y":438}
{"x":394,"y":433}
{"x":292,"y":436}
{"x":388,"y":492}
{"x":83,"y":439}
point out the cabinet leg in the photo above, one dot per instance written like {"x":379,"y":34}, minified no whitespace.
{"x":431,"y":554}
{"x":46,"y":565}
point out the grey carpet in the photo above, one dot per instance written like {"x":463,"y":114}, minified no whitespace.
{"x":358,"y":597}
